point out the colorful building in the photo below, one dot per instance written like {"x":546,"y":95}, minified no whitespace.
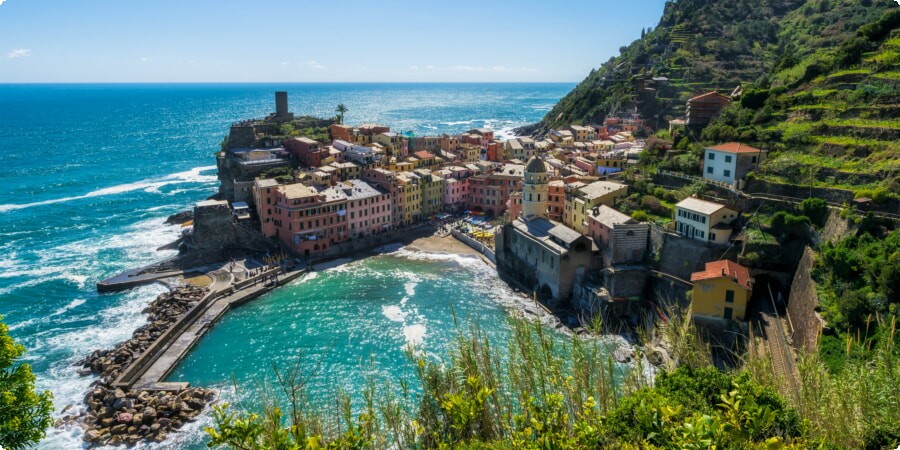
{"x":704,"y":220}
{"x":306,"y":220}
{"x":369,"y":208}
{"x":730,"y":162}
{"x":721,"y":291}
{"x":489,"y":192}
{"x":582,"y":198}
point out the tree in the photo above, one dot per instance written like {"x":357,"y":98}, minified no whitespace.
{"x":24,"y":413}
{"x":341,"y":110}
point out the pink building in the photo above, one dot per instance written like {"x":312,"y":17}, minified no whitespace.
{"x":514,"y":206}
{"x":369,"y":208}
{"x":387,"y":181}
{"x":306,"y":220}
{"x":489,"y":192}
{"x":455,"y":193}
{"x":585,"y":165}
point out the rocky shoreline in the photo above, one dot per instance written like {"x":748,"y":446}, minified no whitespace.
{"x":115,"y":416}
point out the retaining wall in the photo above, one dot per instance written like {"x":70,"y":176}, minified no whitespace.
{"x":802,"y":303}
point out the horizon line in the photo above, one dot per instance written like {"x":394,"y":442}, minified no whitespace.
{"x":284,"y":82}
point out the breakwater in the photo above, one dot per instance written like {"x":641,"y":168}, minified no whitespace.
{"x":131,"y":401}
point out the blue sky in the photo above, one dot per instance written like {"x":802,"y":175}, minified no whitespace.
{"x":280,"y":40}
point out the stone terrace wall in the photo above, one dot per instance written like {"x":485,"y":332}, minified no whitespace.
{"x":802,"y":303}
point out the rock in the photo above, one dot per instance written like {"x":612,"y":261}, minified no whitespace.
{"x":119,"y":393}
{"x":124,"y":418}
{"x":138,"y":419}
{"x":149,"y":414}
{"x":154,"y":428}
{"x":161,"y":436}
{"x":107,"y":422}
{"x":164,"y":422}
{"x":118,"y":429}
{"x":91,"y":436}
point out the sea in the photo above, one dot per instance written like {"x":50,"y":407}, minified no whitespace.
{"x":90,"y":172}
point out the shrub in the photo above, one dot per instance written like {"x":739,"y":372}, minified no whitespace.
{"x":816,"y":209}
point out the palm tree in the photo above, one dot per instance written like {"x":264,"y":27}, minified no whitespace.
{"x":341,"y":109}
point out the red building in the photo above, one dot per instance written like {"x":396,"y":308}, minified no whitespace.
{"x":490,"y":192}
{"x":307,"y":151}
{"x":702,"y":109}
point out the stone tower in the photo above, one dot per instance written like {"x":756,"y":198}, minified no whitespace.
{"x":534,"y":190}
{"x":281,"y":106}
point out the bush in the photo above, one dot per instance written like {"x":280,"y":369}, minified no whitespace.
{"x":788,"y":225}
{"x":640,"y":216}
{"x":816,"y":209}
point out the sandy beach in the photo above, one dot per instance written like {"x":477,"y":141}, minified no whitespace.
{"x":439,"y":244}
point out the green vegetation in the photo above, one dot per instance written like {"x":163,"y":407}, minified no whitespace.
{"x":538,"y":394}
{"x":859,"y":278}
{"x":818,"y":80}
{"x":24,"y":413}
{"x":341,"y":109}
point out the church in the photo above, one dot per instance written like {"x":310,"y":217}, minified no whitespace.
{"x":543,"y":255}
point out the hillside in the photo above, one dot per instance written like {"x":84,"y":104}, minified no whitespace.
{"x":820,"y":81}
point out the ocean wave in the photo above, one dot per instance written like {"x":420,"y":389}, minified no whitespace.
{"x":150,"y":185}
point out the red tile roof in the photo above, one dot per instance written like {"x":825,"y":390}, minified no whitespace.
{"x":735,"y":147}
{"x":423,"y":155}
{"x":725,"y":268}
{"x":709,"y":95}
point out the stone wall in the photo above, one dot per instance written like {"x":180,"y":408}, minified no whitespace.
{"x":755,"y":186}
{"x":802,"y":304}
{"x":680,"y":256}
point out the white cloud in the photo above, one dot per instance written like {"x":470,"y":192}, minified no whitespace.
{"x":315,"y":65}
{"x":19,"y":52}
{"x":1,"y":2}
{"x":144,"y":59}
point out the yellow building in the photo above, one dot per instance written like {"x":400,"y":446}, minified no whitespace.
{"x":411,"y":196}
{"x":432,"y":189}
{"x":396,"y":165}
{"x":580,"y":200}
{"x":721,"y":291}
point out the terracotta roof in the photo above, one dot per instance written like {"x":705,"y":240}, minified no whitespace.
{"x":423,"y":155}
{"x":735,"y":147}
{"x":708,"y":95}
{"x":725,"y":268}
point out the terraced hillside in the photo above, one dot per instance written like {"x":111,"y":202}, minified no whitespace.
{"x":831,"y":114}
{"x":820,"y":82}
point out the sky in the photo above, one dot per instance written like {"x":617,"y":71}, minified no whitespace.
{"x":50,"y":41}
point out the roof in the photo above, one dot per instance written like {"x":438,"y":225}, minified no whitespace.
{"x":358,"y":189}
{"x":610,"y":217}
{"x":701,"y":206}
{"x":708,"y":95}
{"x":266,"y":182}
{"x":422,"y":154}
{"x":725,"y":269}
{"x":601,"y":188}
{"x":208,"y":203}
{"x":307,"y":140}
{"x":240,"y":205}
{"x":535,"y":165}
{"x":296,"y":190}
{"x":552,"y":235}
{"x":735,"y":147}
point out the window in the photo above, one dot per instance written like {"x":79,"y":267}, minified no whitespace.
{"x":709,"y":170}
{"x":727,"y":173}
{"x":729,"y":296}
{"x":728,"y":158}
{"x":711,"y":155}
{"x":753,"y":160}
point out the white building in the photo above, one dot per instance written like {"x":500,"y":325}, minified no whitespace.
{"x":730,"y":162}
{"x":704,"y":220}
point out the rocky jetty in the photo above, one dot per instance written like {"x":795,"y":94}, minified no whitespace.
{"x":115,"y":416}
{"x":180,"y":218}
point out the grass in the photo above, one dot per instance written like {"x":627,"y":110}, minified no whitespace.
{"x":864,"y":123}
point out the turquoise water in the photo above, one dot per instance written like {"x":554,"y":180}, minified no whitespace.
{"x":90,"y":172}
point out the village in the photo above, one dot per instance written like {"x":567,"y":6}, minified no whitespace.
{"x":543,"y":211}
